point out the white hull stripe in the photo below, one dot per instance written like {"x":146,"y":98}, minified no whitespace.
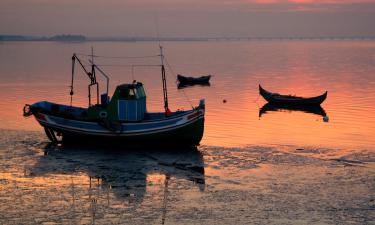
{"x":109,"y":133}
{"x":124,"y":128}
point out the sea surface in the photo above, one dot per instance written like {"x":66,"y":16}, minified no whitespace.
{"x":254,"y":165}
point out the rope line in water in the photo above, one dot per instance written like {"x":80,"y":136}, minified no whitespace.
{"x":119,"y":57}
{"x":256,"y":100}
{"x":128,"y":65}
{"x":133,"y":72}
{"x":172,"y":73}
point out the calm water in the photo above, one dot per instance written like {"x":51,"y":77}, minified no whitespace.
{"x":31,"y":72}
{"x":283,"y":167}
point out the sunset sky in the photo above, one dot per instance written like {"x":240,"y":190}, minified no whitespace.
{"x":189,"y":18}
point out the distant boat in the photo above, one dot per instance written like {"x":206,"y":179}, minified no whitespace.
{"x":276,"y":98}
{"x":315,"y":109}
{"x":123,"y":119}
{"x":184,"y":80}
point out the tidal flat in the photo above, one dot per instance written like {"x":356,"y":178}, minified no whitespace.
{"x":280,"y":184}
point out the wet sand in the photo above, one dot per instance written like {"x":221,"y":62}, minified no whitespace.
{"x":44,"y":184}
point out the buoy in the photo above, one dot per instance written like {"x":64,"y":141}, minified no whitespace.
{"x":224,"y":101}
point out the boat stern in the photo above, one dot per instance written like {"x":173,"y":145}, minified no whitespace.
{"x":202,"y":104}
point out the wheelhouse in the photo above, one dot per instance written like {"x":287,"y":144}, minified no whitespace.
{"x":128,"y":103}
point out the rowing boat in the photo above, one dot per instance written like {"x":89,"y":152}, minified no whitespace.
{"x":185,"y":80}
{"x":276,"y":98}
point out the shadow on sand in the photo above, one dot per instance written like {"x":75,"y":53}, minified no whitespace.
{"x":124,"y":171}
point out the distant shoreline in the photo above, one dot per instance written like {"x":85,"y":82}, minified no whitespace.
{"x":81,"y":38}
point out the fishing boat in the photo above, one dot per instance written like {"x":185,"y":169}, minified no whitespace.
{"x":185,"y":80}
{"x":314,"y":109}
{"x":276,"y":98}
{"x":122,"y":119}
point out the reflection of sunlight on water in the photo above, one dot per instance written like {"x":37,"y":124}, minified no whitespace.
{"x":26,"y":179}
{"x":301,"y":68}
{"x":274,"y":176}
{"x":81,"y":187}
{"x":155,"y":179}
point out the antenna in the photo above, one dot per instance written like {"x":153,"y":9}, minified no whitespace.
{"x":165,"y":92}
{"x":71,"y":93}
{"x":157,"y":28}
{"x":92,"y":55}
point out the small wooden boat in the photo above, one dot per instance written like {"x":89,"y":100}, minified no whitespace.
{"x":276,"y":98}
{"x":314,"y":109}
{"x":121,"y":120}
{"x":184,"y":80}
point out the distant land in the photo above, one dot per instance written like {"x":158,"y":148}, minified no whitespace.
{"x":82,"y":38}
{"x":63,"y":37}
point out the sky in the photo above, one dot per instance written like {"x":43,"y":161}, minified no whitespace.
{"x":189,"y":18}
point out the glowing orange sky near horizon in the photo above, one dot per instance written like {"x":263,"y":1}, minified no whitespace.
{"x":312,"y":1}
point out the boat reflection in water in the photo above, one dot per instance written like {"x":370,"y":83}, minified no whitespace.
{"x":317,"y":110}
{"x":124,"y":174}
{"x":182,"y":86}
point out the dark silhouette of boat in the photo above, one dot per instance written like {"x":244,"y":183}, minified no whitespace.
{"x":269,"y":107}
{"x":279,"y":99}
{"x":184,"y":80}
{"x":122,"y":119}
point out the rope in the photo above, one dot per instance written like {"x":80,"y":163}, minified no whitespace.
{"x":156,"y":20}
{"x":172,"y":73}
{"x":129,"y":65}
{"x":133,"y":73}
{"x":118,"y":57}
{"x":256,"y":100}
{"x":257,"y":103}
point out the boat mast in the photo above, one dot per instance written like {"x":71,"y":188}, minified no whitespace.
{"x":92,"y":55}
{"x":165,"y":92}
{"x":93,"y":79}
{"x":71,"y":93}
{"x":91,"y":75}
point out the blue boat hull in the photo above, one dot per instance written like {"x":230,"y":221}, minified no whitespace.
{"x":186,"y":135}
{"x":182,"y":129}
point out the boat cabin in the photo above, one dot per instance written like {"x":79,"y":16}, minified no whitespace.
{"x":128,"y":103}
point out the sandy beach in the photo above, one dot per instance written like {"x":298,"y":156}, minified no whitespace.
{"x":44,"y":184}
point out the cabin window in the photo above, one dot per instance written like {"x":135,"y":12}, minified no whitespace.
{"x":141,"y":92}
{"x":133,"y":93}
{"x":124,"y":93}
